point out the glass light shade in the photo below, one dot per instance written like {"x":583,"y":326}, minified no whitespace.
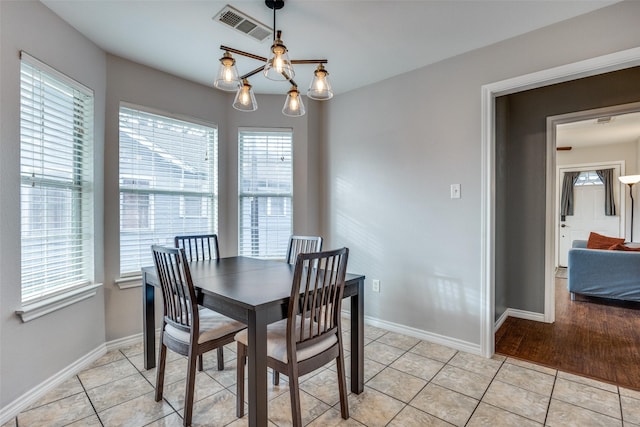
{"x":227,"y":77}
{"x":629,"y":179}
{"x":293,"y":106}
{"x":320,"y":88}
{"x":278,"y":66}
{"x":245,"y":99}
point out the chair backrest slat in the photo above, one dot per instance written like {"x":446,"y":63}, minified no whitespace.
{"x":302,"y":244}
{"x":316,"y":296}
{"x":199,"y":247}
{"x":178,"y":294}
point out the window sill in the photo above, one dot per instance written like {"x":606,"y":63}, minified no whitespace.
{"x":38,"y":309}
{"x":129,"y":282}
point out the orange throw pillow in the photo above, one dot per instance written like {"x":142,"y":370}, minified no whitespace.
{"x":621,"y":247}
{"x":598,"y":241}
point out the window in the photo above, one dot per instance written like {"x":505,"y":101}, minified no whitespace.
{"x":56,"y":181}
{"x":168,"y":183}
{"x":265,"y":192}
{"x":588,"y":178}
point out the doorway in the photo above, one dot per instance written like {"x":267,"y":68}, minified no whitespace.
{"x":588,"y":207}
{"x":529,"y":221}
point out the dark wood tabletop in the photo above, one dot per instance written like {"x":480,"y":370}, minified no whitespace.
{"x":255,"y":292}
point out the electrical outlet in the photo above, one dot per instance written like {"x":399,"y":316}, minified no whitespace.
{"x":455,"y":191}
{"x":375,"y":285}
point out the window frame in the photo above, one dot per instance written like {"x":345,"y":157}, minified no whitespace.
{"x":156,"y":190}
{"x":51,"y":147}
{"x":287,"y":196}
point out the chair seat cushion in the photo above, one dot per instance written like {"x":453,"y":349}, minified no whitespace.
{"x":277,"y":341}
{"x":212,"y":326}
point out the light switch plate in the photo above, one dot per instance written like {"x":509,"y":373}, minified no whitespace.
{"x":455,"y":191}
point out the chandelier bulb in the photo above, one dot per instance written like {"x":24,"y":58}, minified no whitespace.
{"x":293,"y":106}
{"x":227,"y":78}
{"x":320,"y":88}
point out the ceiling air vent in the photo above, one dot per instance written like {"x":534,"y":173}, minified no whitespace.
{"x":243,"y":23}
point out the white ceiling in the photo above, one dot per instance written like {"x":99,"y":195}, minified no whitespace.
{"x":621,"y":129}
{"x":365,"y":41}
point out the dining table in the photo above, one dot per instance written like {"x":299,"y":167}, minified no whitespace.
{"x":256,"y":292}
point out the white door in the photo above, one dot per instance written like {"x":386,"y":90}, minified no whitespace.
{"x":588,"y":215}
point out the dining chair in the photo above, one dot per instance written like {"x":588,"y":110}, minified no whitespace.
{"x":302,"y":244}
{"x":311,"y":335}
{"x":187,"y":328}
{"x":199,"y":247}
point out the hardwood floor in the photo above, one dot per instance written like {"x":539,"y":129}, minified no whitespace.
{"x":593,"y":337}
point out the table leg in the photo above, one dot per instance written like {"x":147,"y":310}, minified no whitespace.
{"x":257,"y":361}
{"x":149,"y":323}
{"x":357,"y":340}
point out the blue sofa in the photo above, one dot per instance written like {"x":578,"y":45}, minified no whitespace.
{"x":603,"y":273}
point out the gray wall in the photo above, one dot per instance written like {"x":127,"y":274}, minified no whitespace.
{"x":382,"y":167}
{"x":393,"y":149}
{"x":522,"y":162}
{"x":140,"y":85}
{"x":34,"y":351}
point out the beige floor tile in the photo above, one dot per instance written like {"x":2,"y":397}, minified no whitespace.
{"x":373,"y":408}
{"x":463,"y":381}
{"x":205,"y":386}
{"x":109,"y":357}
{"x":563,"y":414}
{"x":630,"y":409}
{"x":397,"y":384}
{"x":134,"y":349}
{"x":418,"y":366}
{"x":588,"y":381}
{"x":175,"y":370}
{"x":629,"y":393}
{"x":382,"y":353}
{"x":11,"y":423}
{"x":332,"y":418}
{"x":273,"y":391}
{"x":490,"y":416}
{"x":517,"y":400}
{"x":373,"y":332}
{"x":68,"y":388}
{"x":91,"y":421}
{"x":172,"y":420}
{"x":58,"y":413}
{"x":104,"y":374}
{"x":244,"y":422}
{"x":216,"y":410}
{"x":433,"y":351}
{"x":119,"y":391}
{"x":227,"y":377}
{"x":478,"y":364}
{"x":635,"y":394}
{"x":346,"y":340}
{"x":136,"y":412}
{"x":445,"y":404}
{"x":137,"y":360}
{"x":403,"y":342}
{"x":527,"y":379}
{"x":323,"y":386}
{"x":280,"y":409}
{"x":532,"y":366}
{"x":371,"y":368}
{"x":412,"y":417}
{"x":587,"y":397}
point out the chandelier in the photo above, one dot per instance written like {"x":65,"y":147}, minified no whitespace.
{"x":277,"y":67}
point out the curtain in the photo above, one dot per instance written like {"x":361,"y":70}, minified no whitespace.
{"x":566,"y":203}
{"x":606,"y":175}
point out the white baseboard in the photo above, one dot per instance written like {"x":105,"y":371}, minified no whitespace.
{"x":21,"y":403}
{"x":520,"y":314}
{"x":420,"y":334}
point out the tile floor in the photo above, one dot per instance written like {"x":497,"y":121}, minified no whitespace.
{"x":408,"y":383}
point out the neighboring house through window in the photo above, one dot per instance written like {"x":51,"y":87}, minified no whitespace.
{"x":265,"y":192}
{"x":168,"y":182}
{"x":56,"y":182}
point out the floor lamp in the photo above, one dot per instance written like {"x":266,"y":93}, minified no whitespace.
{"x":630,"y":180}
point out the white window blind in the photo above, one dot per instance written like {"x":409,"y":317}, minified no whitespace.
{"x":265,"y":192}
{"x":56,"y":181}
{"x":168,"y":183}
